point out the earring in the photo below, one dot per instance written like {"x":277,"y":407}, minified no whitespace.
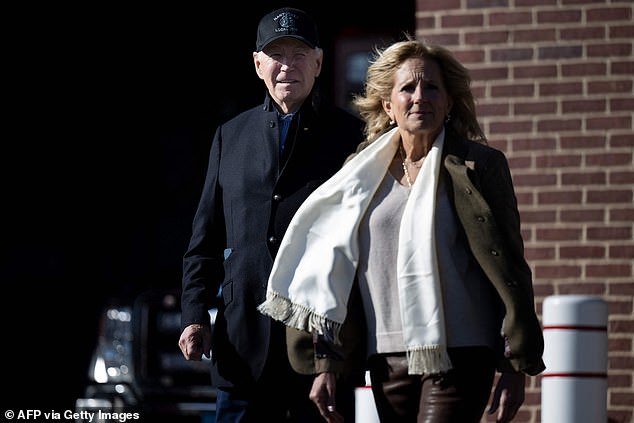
{"x":448,"y":118}
{"x":392,"y":122}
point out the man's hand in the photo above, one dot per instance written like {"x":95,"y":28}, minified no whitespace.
{"x":508,"y":396}
{"x":195,"y":341}
{"x":323,"y":395}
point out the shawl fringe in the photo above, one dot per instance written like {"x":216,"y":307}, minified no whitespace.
{"x":299,"y":317}
{"x":428,"y":359}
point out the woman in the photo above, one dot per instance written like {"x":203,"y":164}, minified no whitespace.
{"x":424,"y":220}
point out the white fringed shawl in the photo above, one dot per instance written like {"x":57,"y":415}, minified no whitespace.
{"x":316,"y":264}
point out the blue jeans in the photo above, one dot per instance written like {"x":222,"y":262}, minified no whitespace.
{"x":286,"y":402}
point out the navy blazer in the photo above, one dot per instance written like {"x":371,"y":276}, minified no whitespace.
{"x":249,"y":196}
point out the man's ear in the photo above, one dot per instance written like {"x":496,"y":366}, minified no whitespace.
{"x":257,"y":63}
{"x":320,"y":61}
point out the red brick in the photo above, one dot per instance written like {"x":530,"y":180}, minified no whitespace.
{"x":444,"y":39}
{"x":583,"y":142}
{"x":559,"y":271}
{"x":558,"y":234}
{"x":621,"y":362}
{"x":510,"y":127}
{"x":584,"y":69}
{"x":557,"y":161}
{"x":584,"y":178}
{"x":621,"y":215}
{"x":622,"y":140}
{"x":486,"y":37}
{"x":585,"y":214}
{"x":609,"y":196}
{"x":625,"y":31}
{"x":534,"y":71}
{"x":535,"y":108}
{"x":559,"y":125}
{"x":529,"y":144}
{"x":581,"y":252}
{"x":605,"y":14}
{"x":537,"y":216}
{"x":435,"y":5}
{"x":609,"y":123}
{"x":510,"y":18}
{"x":514,"y":90}
{"x":469,"y":56}
{"x":534,"y":35}
{"x":609,"y":159}
{"x":511,"y":54}
{"x":583,"y":106}
{"x":609,"y":50}
{"x":539,"y":253}
{"x":535,"y":180}
{"x":609,"y":271}
{"x":611,"y":233}
{"x":621,"y":251}
{"x":559,"y":16}
{"x":489,"y":73}
{"x":622,"y":177}
{"x":461,"y":21}
{"x":560,"y":88}
{"x":622,"y":104}
{"x":583,"y":33}
{"x":494,"y":109}
{"x":618,"y":86}
{"x":581,"y":289}
{"x":560,"y":197}
{"x":622,"y":68}
{"x":622,"y":289}
{"x":620,"y":344}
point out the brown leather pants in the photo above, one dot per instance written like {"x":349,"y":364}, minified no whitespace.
{"x":459,"y":396}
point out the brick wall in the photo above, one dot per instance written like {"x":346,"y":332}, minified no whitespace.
{"x":554,"y":83}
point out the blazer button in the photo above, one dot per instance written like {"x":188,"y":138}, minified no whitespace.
{"x":481,"y":219}
{"x":467,"y":191}
{"x":272,"y":240}
{"x":277,"y":197}
{"x":271,"y":124}
{"x":494,"y":253}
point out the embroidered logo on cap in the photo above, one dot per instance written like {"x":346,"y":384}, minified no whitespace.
{"x":286,"y":21}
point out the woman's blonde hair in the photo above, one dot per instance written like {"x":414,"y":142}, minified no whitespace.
{"x":380,"y":81}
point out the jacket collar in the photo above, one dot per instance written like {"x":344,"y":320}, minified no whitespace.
{"x":311,"y":102}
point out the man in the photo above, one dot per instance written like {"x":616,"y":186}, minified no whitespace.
{"x":262,"y":166}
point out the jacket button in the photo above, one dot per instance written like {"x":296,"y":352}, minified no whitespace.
{"x":272,"y":240}
{"x":481,"y":219}
{"x":271,"y":124}
{"x":494,"y":253}
{"x":277,"y":197}
{"x":467,"y":191}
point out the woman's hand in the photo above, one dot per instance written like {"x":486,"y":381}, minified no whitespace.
{"x":323,"y":395}
{"x":508,"y":396}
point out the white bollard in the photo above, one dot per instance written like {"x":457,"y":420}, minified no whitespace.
{"x":574,"y":384}
{"x":364,"y":406}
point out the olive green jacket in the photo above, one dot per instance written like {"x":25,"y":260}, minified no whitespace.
{"x":482,"y":193}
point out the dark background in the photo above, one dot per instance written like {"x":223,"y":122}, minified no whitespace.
{"x":109,"y":112}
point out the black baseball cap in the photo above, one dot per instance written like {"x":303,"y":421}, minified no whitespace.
{"x":287,"y":22}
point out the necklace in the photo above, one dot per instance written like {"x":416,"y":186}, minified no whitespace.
{"x":415,"y":164}
{"x":409,"y":180}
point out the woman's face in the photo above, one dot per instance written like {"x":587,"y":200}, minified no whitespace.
{"x":419,"y":102}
